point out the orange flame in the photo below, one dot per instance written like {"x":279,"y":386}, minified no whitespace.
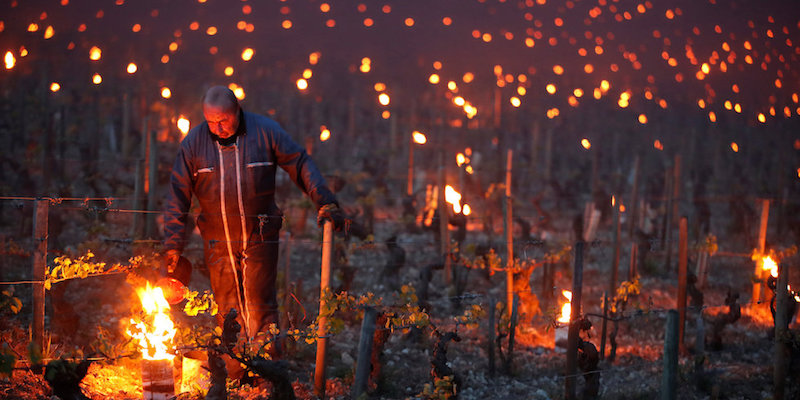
{"x":155,"y":333}
{"x":453,"y":197}
{"x":566,"y":309}
{"x":419,"y":137}
{"x":768,"y":264}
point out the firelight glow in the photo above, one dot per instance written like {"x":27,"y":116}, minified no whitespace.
{"x":566,"y":309}
{"x":768,"y":264}
{"x":155,"y":332}
{"x":419,"y":137}
{"x":453,"y":197}
{"x":10,"y":60}
{"x":132,"y":68}
{"x":324,"y":133}
{"x":183,"y":125}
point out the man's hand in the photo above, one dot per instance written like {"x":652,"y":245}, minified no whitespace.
{"x":170,"y":261}
{"x":331,"y":212}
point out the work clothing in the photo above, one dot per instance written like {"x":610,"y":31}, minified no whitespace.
{"x":239,"y":220}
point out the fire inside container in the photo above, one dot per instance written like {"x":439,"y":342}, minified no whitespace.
{"x":157,"y":380}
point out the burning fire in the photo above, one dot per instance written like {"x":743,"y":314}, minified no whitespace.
{"x":156,"y":331}
{"x":566,"y":309}
{"x":454,"y":198}
{"x":768,"y":264}
{"x":419,"y":137}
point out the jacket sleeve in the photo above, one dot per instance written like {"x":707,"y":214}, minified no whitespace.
{"x":301,"y":168}
{"x":178,"y":202}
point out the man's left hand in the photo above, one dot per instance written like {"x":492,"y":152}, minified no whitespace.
{"x":331,"y":212}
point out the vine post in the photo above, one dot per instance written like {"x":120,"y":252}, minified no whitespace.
{"x":364,"y":352}
{"x":574,"y":325}
{"x":669,"y":378}
{"x":682,"y":281}
{"x":762,"y":244}
{"x":782,"y":349}
{"x":509,"y":225}
{"x":324,"y":283}
{"x":39,"y":264}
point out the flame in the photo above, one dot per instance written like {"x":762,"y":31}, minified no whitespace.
{"x":95,"y":53}
{"x":10,"y":60}
{"x":324,"y":133}
{"x":183,"y":125}
{"x":166,"y":93}
{"x":419,"y":137}
{"x":586,"y":143}
{"x":460,"y":159}
{"x":768,"y":264}
{"x":566,"y":309}
{"x":302,"y":84}
{"x":156,"y":331}
{"x":453,"y":197}
{"x":54,"y":87}
{"x":384,"y":99}
{"x":132,"y":68}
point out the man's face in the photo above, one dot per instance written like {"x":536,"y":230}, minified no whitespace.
{"x":222,"y":121}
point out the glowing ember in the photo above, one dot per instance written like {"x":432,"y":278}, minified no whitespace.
{"x":95,"y":53}
{"x":324,"y":133}
{"x":132,"y":68}
{"x":302,"y":84}
{"x":156,"y":331}
{"x":453,"y":197}
{"x":768,"y":264}
{"x":419,"y":138}
{"x":54,"y":87}
{"x":586,"y":143}
{"x":166,"y":93}
{"x":566,"y":309}
{"x":383,"y":98}
{"x":10,"y":60}
{"x":183,"y":125}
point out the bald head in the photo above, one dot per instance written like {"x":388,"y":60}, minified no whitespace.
{"x":221,"y":110}
{"x":221,"y":97}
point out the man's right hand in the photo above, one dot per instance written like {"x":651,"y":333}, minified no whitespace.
{"x":170,"y":261}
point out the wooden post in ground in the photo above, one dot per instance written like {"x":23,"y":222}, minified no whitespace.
{"x":781,"y":333}
{"x":509,"y":225}
{"x":669,"y":377}
{"x":762,"y":245}
{"x":444,"y":216}
{"x":632,"y":268}
{"x":512,"y":329}
{"x":139,"y":184}
{"x":410,"y":181}
{"x":152,"y":183}
{"x":604,"y":327}
{"x":612,"y":287}
{"x":491,"y":344}
{"x":364,"y":352}
{"x":38,"y":276}
{"x":324,"y":283}
{"x":682,"y":282}
{"x":634,"y":198}
{"x":574,"y":325}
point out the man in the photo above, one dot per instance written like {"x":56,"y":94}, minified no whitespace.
{"x":229,"y":163}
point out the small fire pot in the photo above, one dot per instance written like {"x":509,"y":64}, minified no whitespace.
{"x":157,"y":380}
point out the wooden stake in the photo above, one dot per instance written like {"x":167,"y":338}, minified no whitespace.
{"x":152,"y":184}
{"x":605,"y":326}
{"x":364,"y":352}
{"x":509,"y":225}
{"x":762,"y":245}
{"x":615,"y":262}
{"x":682,"y":261}
{"x":410,"y":183}
{"x":38,"y":276}
{"x":444,"y":214}
{"x":324,"y":283}
{"x":634,"y":198}
{"x":669,"y":378}
{"x":491,"y":344}
{"x":574,"y":326}
{"x":632,"y":269}
{"x":781,"y":332}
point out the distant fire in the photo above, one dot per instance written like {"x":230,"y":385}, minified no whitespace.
{"x":566,"y":309}
{"x":156,"y":331}
{"x":454,"y":198}
{"x":768,"y":264}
